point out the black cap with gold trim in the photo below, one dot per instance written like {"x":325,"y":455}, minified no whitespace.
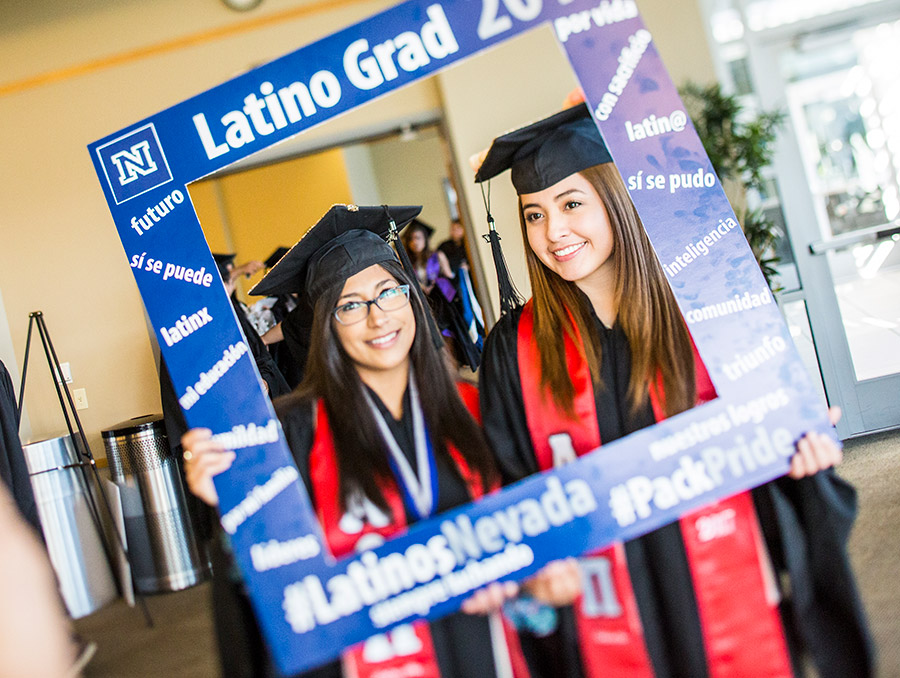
{"x":345,"y":241}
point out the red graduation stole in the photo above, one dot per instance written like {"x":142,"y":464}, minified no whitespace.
{"x":406,"y":650}
{"x":741,"y":627}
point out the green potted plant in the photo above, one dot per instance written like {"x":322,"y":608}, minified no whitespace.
{"x":740,"y":145}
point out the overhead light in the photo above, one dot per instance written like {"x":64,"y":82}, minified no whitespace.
{"x":408,"y":132}
{"x":241,"y":5}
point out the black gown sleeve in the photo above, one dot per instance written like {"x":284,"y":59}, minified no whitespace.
{"x":503,"y":415}
{"x":296,"y":327}
{"x":268,"y":370}
{"x":808,"y":525}
{"x":296,"y":417}
{"x":13,"y":470}
{"x":502,"y":408}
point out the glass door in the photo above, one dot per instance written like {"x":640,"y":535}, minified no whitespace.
{"x":838,"y":164}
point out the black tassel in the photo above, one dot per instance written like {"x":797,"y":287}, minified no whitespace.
{"x":510,"y":298}
{"x":394,"y":238}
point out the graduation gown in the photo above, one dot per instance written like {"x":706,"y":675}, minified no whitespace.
{"x":297,"y":327}
{"x":455,"y":252}
{"x":13,"y":470}
{"x":462,"y":642}
{"x":281,"y":354}
{"x":805,"y":524}
{"x":268,"y":370}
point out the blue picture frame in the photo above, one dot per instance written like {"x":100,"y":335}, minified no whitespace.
{"x":742,"y":439}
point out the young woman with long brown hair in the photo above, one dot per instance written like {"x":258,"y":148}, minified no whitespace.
{"x":601,"y":351}
{"x":376,"y":451}
{"x":440,"y":284}
{"x":431,"y":266}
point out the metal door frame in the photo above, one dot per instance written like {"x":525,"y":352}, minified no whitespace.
{"x":872,"y":404}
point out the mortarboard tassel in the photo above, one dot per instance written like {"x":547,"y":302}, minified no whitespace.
{"x":394,"y":239}
{"x":510,"y":298}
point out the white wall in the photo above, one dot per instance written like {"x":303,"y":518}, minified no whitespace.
{"x":410,"y":173}
{"x":363,"y":182}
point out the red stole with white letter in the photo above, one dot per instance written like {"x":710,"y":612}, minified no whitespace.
{"x":406,"y":650}
{"x":741,"y":627}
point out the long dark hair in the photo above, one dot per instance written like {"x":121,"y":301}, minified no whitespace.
{"x":418,"y":259}
{"x":657,"y":335}
{"x":331,"y":376}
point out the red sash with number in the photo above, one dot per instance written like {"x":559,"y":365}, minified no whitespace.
{"x":741,"y":627}
{"x":406,"y":651}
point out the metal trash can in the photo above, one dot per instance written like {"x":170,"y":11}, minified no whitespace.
{"x":70,"y":531}
{"x":161,"y":544}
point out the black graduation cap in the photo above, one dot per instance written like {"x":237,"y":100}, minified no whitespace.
{"x":345,"y":241}
{"x":546,"y":151}
{"x":223,"y":261}
{"x":422,"y":226}
{"x":275,"y":257}
{"x":539,"y":155}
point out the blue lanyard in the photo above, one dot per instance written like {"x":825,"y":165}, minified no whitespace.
{"x":419,"y":489}
{"x":408,"y":499}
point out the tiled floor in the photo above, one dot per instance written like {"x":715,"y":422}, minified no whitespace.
{"x":872,"y":464}
{"x":180,"y":644}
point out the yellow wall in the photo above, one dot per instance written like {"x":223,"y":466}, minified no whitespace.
{"x":59,"y":251}
{"x":208,"y":202}
{"x":258,"y":210}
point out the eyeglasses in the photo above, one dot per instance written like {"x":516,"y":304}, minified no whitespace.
{"x":391,"y":299}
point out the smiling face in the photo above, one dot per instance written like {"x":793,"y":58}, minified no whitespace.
{"x":382,"y":341}
{"x":568,"y":229}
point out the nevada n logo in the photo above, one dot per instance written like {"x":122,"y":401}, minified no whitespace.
{"x":134,"y":163}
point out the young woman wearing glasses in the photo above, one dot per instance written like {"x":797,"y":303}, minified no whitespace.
{"x":382,"y":435}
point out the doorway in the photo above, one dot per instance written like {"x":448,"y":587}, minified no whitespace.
{"x":837,"y":164}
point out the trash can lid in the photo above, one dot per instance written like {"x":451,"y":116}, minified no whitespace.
{"x":44,"y":455}
{"x":146,"y":422}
